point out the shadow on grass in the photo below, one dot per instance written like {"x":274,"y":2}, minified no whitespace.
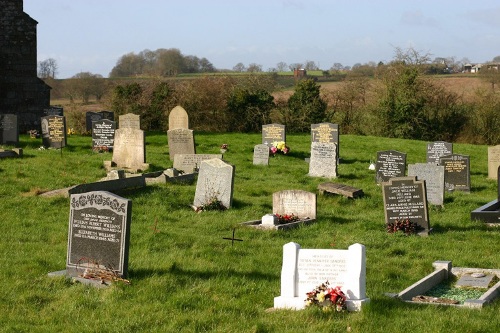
{"x":442,"y":229}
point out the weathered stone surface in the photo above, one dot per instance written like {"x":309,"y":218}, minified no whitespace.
{"x":189,"y":163}
{"x":493,"y":161}
{"x":129,"y":120}
{"x":9,"y":130}
{"x":215,"y":182}
{"x":180,"y":141}
{"x":434,"y":180}
{"x":323,"y":162}
{"x":178,"y":118}
{"x":129,"y":150}
{"x":261,"y":155}
{"x":297,"y":202}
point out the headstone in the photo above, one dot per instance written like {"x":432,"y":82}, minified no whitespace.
{"x":477,"y":280}
{"x":456,"y":172}
{"x":215,"y":181}
{"x":109,"y":115}
{"x":54,"y":111}
{"x":437,"y":149}
{"x":405,"y":199}
{"x":99,"y":233}
{"x":434,"y":180}
{"x":390,"y":164}
{"x":493,"y":161}
{"x":323,"y":162}
{"x":103,"y":134}
{"x":129,"y":120}
{"x":129,"y":149}
{"x":273,"y":133}
{"x":90,"y":117}
{"x":54,"y":131}
{"x":189,"y":163}
{"x":178,"y":118}
{"x":261,"y":155}
{"x":326,"y":133}
{"x":180,"y":141}
{"x":9,"y":130}
{"x":305,"y":269}
{"x":297,"y":202}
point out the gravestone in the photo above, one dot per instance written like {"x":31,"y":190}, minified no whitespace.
{"x":437,"y":149}
{"x":456,"y":172}
{"x":90,"y":117}
{"x":109,"y":115}
{"x":180,"y":141}
{"x":9,"y":129}
{"x":103,"y":134}
{"x":54,"y":131}
{"x":297,"y":202}
{"x":323,"y":162}
{"x":189,"y":163}
{"x":273,"y":133}
{"x":261,"y":154}
{"x":493,"y":161}
{"x":434,"y":180}
{"x":489,"y":213}
{"x":129,"y":149}
{"x":474,"y":280}
{"x":305,"y":269}
{"x":54,"y":111}
{"x":178,"y":118}
{"x":326,"y":133}
{"x":129,"y":120}
{"x":99,"y":233}
{"x":405,"y":199}
{"x":390,"y":164}
{"x":215,"y":182}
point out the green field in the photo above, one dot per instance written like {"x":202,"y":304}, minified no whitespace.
{"x":187,"y":278}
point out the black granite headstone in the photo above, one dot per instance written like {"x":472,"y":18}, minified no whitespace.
{"x":437,"y":149}
{"x":326,"y":133}
{"x":390,"y":164}
{"x":9,"y":130}
{"x":54,"y":111}
{"x":90,"y":117}
{"x":405,"y":199}
{"x":456,"y":172}
{"x":54,"y":131}
{"x":103,"y":134}
{"x":273,"y":133}
{"x":109,"y":115}
{"x":99,"y":233}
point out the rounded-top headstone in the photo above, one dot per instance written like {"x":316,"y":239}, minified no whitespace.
{"x":178,"y":118}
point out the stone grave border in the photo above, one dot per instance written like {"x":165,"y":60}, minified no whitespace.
{"x":443,"y":271}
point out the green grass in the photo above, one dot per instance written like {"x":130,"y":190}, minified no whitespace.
{"x":186,"y":278}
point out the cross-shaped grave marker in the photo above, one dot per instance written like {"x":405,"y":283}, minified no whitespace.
{"x":232,"y":239}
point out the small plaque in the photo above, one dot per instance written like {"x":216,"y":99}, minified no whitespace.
{"x":468,"y":280}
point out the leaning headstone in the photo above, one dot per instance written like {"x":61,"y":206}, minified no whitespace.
{"x":99,"y":234}
{"x":305,"y":269}
{"x":129,"y":149}
{"x":325,"y":133}
{"x":261,"y":154}
{"x":434,"y":180}
{"x":273,"y":133}
{"x":390,"y":164}
{"x":493,"y":161}
{"x":215,"y":183}
{"x":103,"y":134}
{"x":456,"y":172}
{"x":405,"y":199}
{"x":180,"y":141}
{"x":190,"y":163}
{"x":54,"y":131}
{"x":178,"y":118}
{"x":437,"y":149}
{"x":129,"y":120}
{"x":323,"y":162}
{"x":90,"y":117}
{"x":9,"y":130}
{"x":297,"y":202}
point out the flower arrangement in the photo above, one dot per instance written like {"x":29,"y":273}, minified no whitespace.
{"x":100,"y":149}
{"x":326,"y":297}
{"x":406,"y":226}
{"x":286,"y":218}
{"x":279,"y":147}
{"x":71,"y":131}
{"x":223,"y":148}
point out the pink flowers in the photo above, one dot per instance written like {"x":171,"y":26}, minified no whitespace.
{"x":327,"y":297}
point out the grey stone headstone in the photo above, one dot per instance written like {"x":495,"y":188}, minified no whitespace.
{"x":297,"y":202}
{"x":54,"y":131}
{"x":456,"y":172}
{"x":261,"y":154}
{"x":493,"y":161}
{"x":273,"y":133}
{"x":437,"y":149}
{"x":129,"y":120}
{"x":103,"y":134}
{"x":99,"y":233}
{"x":188,"y":163}
{"x":180,"y":141}
{"x":323,"y":162}
{"x":90,"y":117}
{"x":129,"y":150}
{"x":326,"y":133}
{"x":215,"y":181}
{"x":434,"y":180}
{"x":178,"y":118}
{"x":389,"y":164}
{"x":9,"y":129}
{"x":405,"y":198}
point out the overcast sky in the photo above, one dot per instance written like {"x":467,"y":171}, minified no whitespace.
{"x":91,"y":35}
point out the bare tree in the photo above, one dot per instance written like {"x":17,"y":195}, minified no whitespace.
{"x":254,"y":68}
{"x":281,"y":66}
{"x":239,"y":67}
{"x":47,"y":68}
